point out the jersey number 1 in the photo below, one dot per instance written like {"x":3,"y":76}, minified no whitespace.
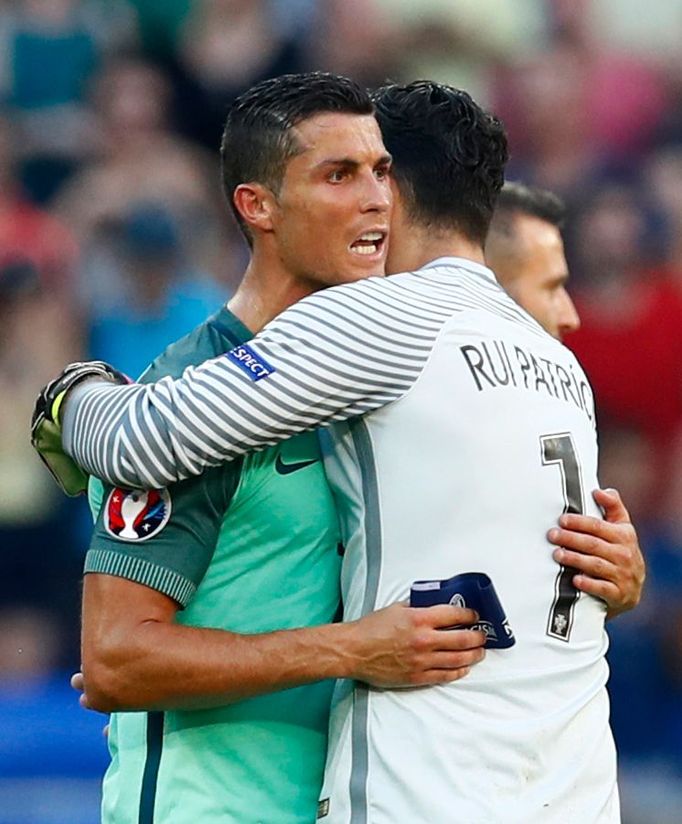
{"x":560,"y":450}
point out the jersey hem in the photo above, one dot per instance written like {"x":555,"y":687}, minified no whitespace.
{"x":141,"y":571}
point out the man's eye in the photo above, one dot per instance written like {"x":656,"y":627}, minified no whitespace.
{"x":382,"y":173}
{"x":337,"y":176}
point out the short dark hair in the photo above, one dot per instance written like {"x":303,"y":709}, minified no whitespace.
{"x":518,"y":199}
{"x":257,"y":140}
{"x":448,"y":154}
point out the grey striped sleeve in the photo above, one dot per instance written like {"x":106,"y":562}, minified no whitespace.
{"x":334,"y":355}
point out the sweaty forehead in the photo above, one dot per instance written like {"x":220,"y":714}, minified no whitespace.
{"x":336,"y":135}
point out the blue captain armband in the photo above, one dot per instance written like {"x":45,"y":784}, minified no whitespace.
{"x":473,"y":590}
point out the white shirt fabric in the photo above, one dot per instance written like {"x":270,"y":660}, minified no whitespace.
{"x":478,"y":432}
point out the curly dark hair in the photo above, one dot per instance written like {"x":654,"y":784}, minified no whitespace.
{"x":257,"y":140}
{"x":448,"y":154}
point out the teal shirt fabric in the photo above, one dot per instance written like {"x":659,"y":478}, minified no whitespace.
{"x":249,"y":549}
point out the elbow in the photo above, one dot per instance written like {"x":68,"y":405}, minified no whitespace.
{"x":110,"y":679}
{"x":102,"y":688}
{"x":98,"y":693}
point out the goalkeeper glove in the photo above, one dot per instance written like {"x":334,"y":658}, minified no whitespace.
{"x":46,"y":433}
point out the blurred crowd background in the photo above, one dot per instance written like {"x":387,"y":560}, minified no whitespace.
{"x":114,"y":241}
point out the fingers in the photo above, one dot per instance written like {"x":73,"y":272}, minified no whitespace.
{"x":615,"y":542}
{"x":441,"y":676}
{"x":444,"y":616}
{"x":460,"y":660}
{"x":444,"y":668}
{"x":411,"y":646}
{"x":453,"y":620}
{"x":595,"y":566}
{"x":611,"y":568}
{"x":614,"y":509}
{"x":579,"y":541}
{"x":606,"y":590}
{"x":616,"y":524}
{"x":594,"y":528}
{"x":444,"y":655}
{"x":595,"y":574}
{"x":453,"y":641}
{"x":455,"y":660}
{"x":77,"y":682}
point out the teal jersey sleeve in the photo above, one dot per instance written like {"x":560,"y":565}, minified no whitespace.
{"x":173,"y":557}
{"x":165,"y":539}
{"x":96,"y":492}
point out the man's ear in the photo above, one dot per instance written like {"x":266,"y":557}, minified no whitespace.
{"x":256,"y":204}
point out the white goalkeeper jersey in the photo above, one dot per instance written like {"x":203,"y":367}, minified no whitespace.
{"x":477,"y":432}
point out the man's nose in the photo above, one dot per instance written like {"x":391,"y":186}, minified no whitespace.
{"x":569,"y":319}
{"x":378,"y":195}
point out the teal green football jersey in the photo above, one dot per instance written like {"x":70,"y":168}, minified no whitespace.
{"x":251,"y":547}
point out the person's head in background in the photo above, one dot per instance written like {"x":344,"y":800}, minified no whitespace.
{"x":525,"y":250}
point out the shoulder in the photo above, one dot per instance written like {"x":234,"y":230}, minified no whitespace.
{"x":187,"y":351}
{"x":214,"y":336}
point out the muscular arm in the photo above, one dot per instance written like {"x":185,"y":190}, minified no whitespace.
{"x":606,"y":553}
{"x":136,"y":657}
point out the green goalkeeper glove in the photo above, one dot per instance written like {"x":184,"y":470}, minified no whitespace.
{"x":46,"y":432}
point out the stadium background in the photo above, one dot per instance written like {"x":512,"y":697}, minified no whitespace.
{"x":114,"y":241}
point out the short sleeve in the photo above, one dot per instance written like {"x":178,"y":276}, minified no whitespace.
{"x":163,"y":539}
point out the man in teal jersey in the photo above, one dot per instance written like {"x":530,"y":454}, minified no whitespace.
{"x":251,"y":548}
{"x":239,"y":551}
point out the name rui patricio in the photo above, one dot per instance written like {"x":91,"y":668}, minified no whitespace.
{"x":503,"y":365}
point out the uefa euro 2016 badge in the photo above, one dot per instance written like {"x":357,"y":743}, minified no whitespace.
{"x":136,"y":514}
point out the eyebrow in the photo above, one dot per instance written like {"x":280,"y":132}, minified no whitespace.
{"x":350,"y":163}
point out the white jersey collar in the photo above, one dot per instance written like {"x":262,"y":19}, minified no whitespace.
{"x":461,"y":263}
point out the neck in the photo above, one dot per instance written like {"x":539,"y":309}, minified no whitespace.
{"x":265,"y":291}
{"x":418,"y":246}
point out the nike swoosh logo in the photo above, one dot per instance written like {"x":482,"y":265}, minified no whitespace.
{"x":287,"y":469}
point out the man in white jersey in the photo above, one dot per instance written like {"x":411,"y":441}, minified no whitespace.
{"x":525,"y":249}
{"x":478,"y":429}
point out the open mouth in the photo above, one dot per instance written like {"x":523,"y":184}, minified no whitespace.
{"x":370,"y":243}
